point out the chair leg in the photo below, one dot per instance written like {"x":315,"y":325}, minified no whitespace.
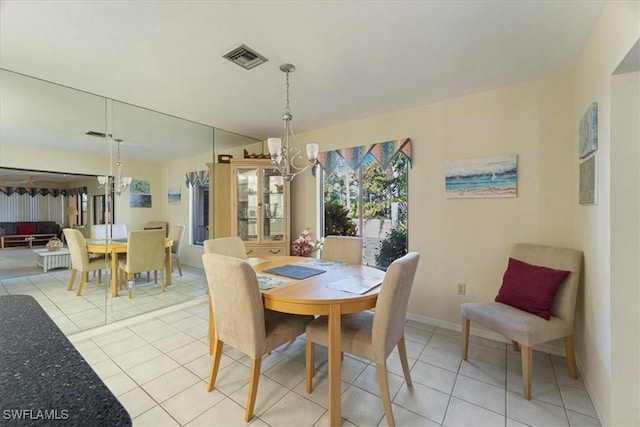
{"x":129,"y":290}
{"x":162,"y":278}
{"x":253,"y":387}
{"x":384,"y":391}
{"x":72,"y":279}
{"x":215,"y":364}
{"x":309,"y":365}
{"x":83,"y":279}
{"x":402,"y":352}
{"x":466,"y":323}
{"x":515,"y":346}
{"x":526,"y":353}
{"x":571,"y":357}
{"x":211,"y":326}
{"x":179,"y":266}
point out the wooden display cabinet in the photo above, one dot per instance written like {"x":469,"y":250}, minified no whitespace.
{"x":259,"y":207}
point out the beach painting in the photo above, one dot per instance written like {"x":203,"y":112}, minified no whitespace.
{"x":482,"y":177}
{"x":174,"y":196}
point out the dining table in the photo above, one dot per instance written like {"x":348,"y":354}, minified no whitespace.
{"x":114,"y":248}
{"x":338,"y":289}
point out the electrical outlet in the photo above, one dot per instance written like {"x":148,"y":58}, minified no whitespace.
{"x":462,"y":289}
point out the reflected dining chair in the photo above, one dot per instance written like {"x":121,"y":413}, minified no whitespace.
{"x":342,"y":249}
{"x":373,"y":336}
{"x":157,"y":225}
{"x":176,"y":232}
{"x":538,"y":267}
{"x":145,"y":252}
{"x":241,"y":319}
{"x":80,"y":260}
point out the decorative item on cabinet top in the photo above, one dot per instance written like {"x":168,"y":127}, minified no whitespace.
{"x":255,"y":156}
{"x":225,"y":158}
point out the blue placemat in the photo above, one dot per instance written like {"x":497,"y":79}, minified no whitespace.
{"x":294,"y":271}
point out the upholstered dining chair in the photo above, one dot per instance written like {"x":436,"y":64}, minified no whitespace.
{"x":157,"y":225}
{"x":534,"y":274}
{"x":176,"y":233}
{"x":342,"y":249}
{"x":145,"y":252}
{"x":229,"y":246}
{"x":241,"y":319}
{"x":373,"y":335}
{"x":80,"y":260}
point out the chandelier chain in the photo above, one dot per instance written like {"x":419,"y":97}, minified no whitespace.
{"x":286,"y":108}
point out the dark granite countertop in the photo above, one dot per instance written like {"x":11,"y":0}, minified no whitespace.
{"x":44,"y":380}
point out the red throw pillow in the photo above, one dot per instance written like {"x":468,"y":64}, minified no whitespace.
{"x":26,"y":229}
{"x":530,"y":287}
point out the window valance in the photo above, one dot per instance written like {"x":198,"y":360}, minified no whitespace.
{"x":353,"y":157}
{"x":55,"y":192}
{"x":200,"y":177}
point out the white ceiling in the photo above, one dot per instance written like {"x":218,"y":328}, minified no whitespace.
{"x":354,"y":59}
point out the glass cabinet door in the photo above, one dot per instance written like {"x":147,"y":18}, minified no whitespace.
{"x":248,"y":204}
{"x":273,"y":193}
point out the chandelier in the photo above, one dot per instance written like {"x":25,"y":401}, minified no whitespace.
{"x":120,"y":183}
{"x":285,"y":152}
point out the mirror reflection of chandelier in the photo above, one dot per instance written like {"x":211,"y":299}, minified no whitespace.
{"x":285,"y":152}
{"x":120,"y":183}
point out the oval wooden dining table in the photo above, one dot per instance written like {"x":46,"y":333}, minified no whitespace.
{"x":317,"y":295}
{"x":115,"y":248}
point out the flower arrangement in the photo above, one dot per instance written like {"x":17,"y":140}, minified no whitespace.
{"x":304,"y":245}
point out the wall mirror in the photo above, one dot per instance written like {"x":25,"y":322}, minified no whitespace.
{"x":45,"y":128}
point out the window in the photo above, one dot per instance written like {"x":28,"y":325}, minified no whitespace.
{"x":200,"y":211}
{"x":368,"y":198}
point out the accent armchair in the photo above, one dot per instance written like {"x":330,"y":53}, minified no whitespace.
{"x":532,"y":273}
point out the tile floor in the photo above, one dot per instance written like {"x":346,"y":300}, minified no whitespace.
{"x":158,"y":368}
{"x":95,"y":306}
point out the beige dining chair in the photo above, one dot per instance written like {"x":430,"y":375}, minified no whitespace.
{"x":80,"y":260}
{"x":176,"y":233}
{"x":241,"y":319}
{"x":524,"y":329}
{"x":157,"y":225}
{"x":145,"y":252}
{"x":229,"y":246}
{"x":342,"y":249}
{"x":373,"y":336}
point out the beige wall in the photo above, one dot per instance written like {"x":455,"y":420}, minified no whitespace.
{"x":605,"y":305}
{"x":469,"y":240}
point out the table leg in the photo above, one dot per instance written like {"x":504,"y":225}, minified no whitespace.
{"x":167,"y":256}
{"x":334,"y":366}
{"x":114,"y":274}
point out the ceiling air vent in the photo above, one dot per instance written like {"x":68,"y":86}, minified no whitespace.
{"x":245,"y":57}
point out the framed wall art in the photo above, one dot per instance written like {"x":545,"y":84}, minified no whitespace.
{"x":482,"y":177}
{"x":588,"y":179}
{"x":588,"y":132}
